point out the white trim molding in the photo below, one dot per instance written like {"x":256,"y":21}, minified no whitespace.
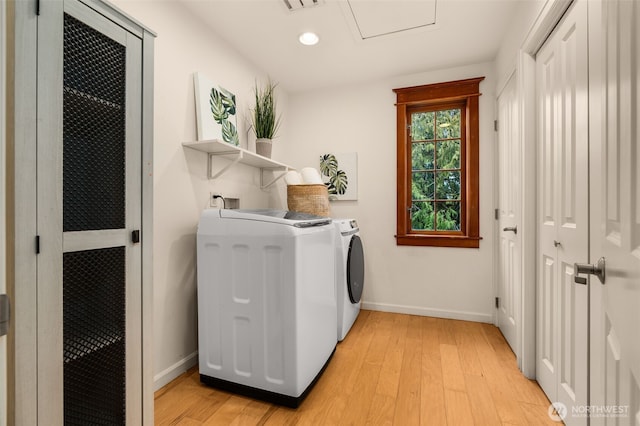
{"x":429,"y":312}
{"x":547,"y":20}
{"x":3,"y":236}
{"x":527,"y":118}
{"x":167,"y":375}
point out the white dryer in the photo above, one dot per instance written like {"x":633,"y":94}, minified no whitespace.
{"x":349,"y":273}
{"x":266,"y":302}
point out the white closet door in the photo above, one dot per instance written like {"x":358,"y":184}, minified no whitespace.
{"x":562,"y":81}
{"x":510,"y":280}
{"x":615,"y":204}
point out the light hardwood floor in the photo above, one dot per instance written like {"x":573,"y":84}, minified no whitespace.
{"x":392,"y":369}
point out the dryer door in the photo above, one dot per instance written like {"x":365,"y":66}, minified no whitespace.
{"x":355,"y":269}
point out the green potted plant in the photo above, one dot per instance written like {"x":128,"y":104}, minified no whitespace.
{"x":264,"y":118}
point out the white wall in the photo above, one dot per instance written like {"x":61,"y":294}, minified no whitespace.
{"x":528,"y":12}
{"x":181,"y":189}
{"x":446,"y":282}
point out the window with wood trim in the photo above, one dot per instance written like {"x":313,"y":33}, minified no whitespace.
{"x":438,"y":165}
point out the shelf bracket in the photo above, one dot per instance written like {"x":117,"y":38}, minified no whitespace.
{"x":239,"y":155}
{"x":275,"y":179}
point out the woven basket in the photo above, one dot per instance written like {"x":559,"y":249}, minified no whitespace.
{"x":311,"y":199}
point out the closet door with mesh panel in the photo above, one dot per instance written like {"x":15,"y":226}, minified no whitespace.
{"x":89,"y":218}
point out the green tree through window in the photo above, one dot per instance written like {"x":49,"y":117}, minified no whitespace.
{"x":435,"y":167}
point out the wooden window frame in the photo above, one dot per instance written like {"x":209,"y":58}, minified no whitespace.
{"x":464,"y":93}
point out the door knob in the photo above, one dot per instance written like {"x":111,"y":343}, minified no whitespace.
{"x":556,"y":243}
{"x":584,"y":268}
{"x":513,"y":229}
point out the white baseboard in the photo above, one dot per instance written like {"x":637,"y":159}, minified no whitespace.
{"x":166,"y":376}
{"x":428,"y":312}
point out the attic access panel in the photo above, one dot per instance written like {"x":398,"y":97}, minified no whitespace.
{"x":384,"y":17}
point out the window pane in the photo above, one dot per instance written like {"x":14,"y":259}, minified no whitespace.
{"x":449,"y":155}
{"x":422,"y":126}
{"x":422,"y":156}
{"x":448,"y":216}
{"x":422,"y":186}
{"x":448,"y":185}
{"x":448,"y":123}
{"x":422,"y":216}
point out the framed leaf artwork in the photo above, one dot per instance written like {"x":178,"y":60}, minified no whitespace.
{"x":215,"y":111}
{"x":340,"y":175}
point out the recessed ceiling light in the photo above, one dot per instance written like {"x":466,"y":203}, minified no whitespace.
{"x":309,"y":38}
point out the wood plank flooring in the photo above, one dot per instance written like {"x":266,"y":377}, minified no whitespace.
{"x":392,"y":369}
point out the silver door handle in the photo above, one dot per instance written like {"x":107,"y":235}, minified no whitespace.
{"x":585,"y":268}
{"x":513,"y":229}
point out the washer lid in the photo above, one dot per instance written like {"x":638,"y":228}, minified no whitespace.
{"x":299,"y":220}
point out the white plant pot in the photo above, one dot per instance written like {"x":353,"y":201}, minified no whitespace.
{"x":263,"y":147}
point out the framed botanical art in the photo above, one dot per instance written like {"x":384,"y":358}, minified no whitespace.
{"x":340,"y":175}
{"x":215,"y":111}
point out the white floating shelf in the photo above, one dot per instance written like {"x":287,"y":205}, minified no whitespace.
{"x":218,"y":148}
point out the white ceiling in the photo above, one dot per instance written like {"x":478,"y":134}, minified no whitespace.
{"x":379,"y":18}
{"x":266,"y":33}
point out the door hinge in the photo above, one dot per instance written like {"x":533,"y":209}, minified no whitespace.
{"x":5,"y":314}
{"x":135,"y":236}
{"x":37,"y":244}
{"x":496,"y":214}
{"x":497,"y":302}
{"x":495,"y":125}
{"x":38,"y":7}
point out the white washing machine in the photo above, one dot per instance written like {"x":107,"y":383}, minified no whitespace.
{"x":349,"y":273}
{"x":266,"y":302}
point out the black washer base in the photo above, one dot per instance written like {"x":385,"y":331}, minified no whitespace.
{"x":264,"y":395}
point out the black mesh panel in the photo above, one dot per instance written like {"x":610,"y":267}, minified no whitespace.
{"x":94,"y":337}
{"x":94,"y":129}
